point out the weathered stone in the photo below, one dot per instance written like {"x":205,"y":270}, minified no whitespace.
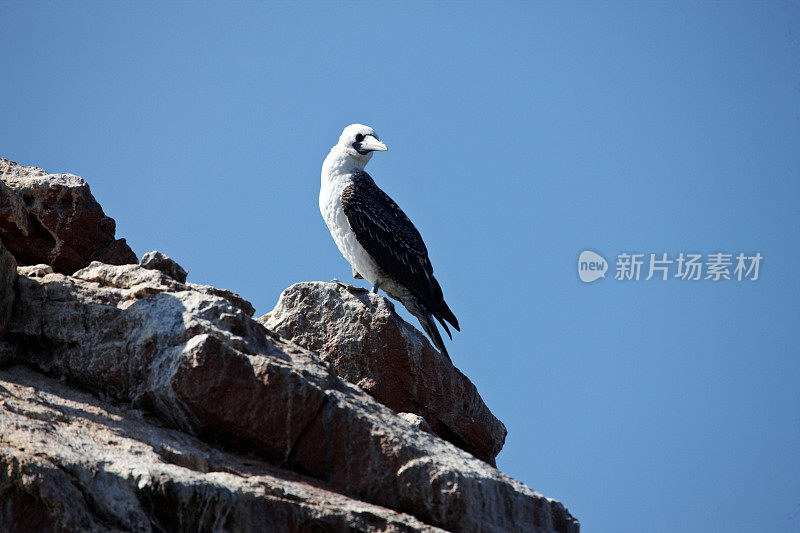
{"x":194,"y":357}
{"x":157,"y":261}
{"x":362,"y":337}
{"x":140,"y":282}
{"x":54,"y":219}
{"x":416,"y":421}
{"x":8,"y":274}
{"x":35,"y":271}
{"x":321,"y":454}
{"x":70,"y":462}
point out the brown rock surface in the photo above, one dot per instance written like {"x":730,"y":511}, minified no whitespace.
{"x":362,"y":337}
{"x":194,"y":357}
{"x":54,"y":219}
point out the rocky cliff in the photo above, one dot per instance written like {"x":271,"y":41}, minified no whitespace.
{"x":131,"y":399}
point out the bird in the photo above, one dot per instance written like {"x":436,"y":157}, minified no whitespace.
{"x":375,"y":235}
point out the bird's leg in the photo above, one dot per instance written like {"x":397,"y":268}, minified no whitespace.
{"x":356,"y":275}
{"x":347,"y":286}
{"x":376,"y":287}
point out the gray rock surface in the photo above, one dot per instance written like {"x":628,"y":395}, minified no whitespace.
{"x":157,"y":261}
{"x":107,"y":468}
{"x":168,"y":408}
{"x":362,"y":337}
{"x":194,"y":357}
{"x":35,"y":271}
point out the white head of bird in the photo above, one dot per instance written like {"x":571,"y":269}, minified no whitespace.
{"x":354,"y":149}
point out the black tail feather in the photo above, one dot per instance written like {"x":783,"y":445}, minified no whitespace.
{"x":444,"y":325}
{"x":444,"y":313}
{"x":420,"y":310}
{"x":439,"y":307}
{"x":430,"y":328}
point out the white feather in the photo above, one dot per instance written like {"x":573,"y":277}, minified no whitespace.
{"x":337,"y":173}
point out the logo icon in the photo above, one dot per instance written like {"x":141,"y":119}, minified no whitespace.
{"x":591,"y":266}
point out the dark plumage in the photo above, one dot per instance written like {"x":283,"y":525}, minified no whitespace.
{"x":393,"y":242}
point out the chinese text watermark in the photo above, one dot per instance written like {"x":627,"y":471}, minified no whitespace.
{"x":685,"y":266}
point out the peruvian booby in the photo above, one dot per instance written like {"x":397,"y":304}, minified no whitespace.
{"x":375,"y":236}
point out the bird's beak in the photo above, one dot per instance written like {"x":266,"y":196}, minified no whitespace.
{"x":371,"y":144}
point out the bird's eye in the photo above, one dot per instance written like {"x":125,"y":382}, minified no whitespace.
{"x":359,"y":138}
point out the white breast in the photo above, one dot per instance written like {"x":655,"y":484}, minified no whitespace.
{"x":335,"y":177}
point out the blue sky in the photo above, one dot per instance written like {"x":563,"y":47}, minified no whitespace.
{"x":519,"y":135}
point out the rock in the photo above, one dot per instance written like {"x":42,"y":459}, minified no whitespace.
{"x":367,"y":343}
{"x":54,"y":219}
{"x":193,"y":356}
{"x":264,"y":430}
{"x":8,"y":275}
{"x":35,"y":271}
{"x":70,"y":462}
{"x":157,"y":261}
{"x":140,"y":282}
{"x":416,"y":421}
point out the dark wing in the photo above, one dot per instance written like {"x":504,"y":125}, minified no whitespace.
{"x":394,"y":243}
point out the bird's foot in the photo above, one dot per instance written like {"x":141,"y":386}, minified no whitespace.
{"x":348,"y":287}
